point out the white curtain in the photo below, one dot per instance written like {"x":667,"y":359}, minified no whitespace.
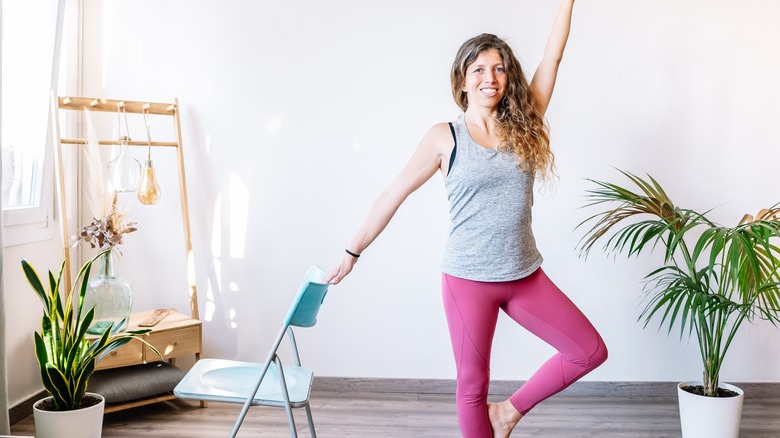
{"x":4,"y":426}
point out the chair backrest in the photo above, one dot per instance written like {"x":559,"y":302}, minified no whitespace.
{"x":311,"y":293}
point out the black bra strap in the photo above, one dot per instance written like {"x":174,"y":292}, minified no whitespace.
{"x":454,"y":147}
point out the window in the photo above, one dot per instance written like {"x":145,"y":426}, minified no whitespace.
{"x":29,"y":33}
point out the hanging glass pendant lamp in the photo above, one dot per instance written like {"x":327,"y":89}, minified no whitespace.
{"x":124,"y":171}
{"x":149,"y":189}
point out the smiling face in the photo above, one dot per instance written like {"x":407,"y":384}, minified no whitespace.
{"x":485,"y":79}
{"x":483,"y":64}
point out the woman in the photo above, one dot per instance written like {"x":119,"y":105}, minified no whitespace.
{"x":491,"y":261}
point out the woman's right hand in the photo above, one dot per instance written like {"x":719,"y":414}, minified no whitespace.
{"x":335,"y":275}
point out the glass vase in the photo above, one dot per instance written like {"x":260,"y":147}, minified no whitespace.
{"x":110,"y":295}
{"x":124,"y":171}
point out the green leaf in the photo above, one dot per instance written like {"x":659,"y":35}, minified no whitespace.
{"x":60,"y":389}
{"x":35,"y":283}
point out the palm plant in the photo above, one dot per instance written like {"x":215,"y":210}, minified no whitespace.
{"x":66,"y":357}
{"x":714,"y":277}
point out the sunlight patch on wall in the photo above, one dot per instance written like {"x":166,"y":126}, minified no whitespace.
{"x":239,"y":207}
{"x":211,"y":306}
{"x":191,"y":280}
{"x":229,"y":227}
{"x":232,"y":318}
{"x":216,"y":228}
{"x":216,"y":239}
{"x":208,"y":312}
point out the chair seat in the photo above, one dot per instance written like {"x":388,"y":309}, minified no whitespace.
{"x":231,"y":381}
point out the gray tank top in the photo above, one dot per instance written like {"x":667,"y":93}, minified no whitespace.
{"x":490,"y":236}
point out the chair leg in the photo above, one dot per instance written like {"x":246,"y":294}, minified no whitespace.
{"x":287,"y":405}
{"x":291,"y":421}
{"x":251,"y":395}
{"x":311,"y":422}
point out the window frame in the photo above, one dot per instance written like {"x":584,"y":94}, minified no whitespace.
{"x":35,"y":223}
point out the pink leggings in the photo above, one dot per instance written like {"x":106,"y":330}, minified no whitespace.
{"x":535,"y":303}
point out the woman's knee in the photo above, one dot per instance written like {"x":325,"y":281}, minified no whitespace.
{"x":473,"y":385}
{"x":587,"y":356}
{"x":599,"y":356}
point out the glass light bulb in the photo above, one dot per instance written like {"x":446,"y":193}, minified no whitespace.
{"x":148,"y":190}
{"x":124,"y":170}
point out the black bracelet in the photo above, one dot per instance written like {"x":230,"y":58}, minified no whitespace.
{"x":352,"y":253}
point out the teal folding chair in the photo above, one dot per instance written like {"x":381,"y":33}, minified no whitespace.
{"x":269,"y":383}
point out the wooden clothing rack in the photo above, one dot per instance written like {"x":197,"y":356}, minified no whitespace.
{"x":177,"y":334}
{"x":107,"y":105}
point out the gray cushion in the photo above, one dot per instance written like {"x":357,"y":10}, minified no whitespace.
{"x":136,"y":382}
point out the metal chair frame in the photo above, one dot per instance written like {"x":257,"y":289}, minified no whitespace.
{"x":302,"y":313}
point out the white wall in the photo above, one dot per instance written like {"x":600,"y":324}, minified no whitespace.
{"x":297,"y":113}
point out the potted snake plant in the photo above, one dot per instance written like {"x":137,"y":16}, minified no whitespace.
{"x":67,"y":357}
{"x":714,"y":278}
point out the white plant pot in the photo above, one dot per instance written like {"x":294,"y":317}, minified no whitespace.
{"x":81,"y":423}
{"x":710,"y":417}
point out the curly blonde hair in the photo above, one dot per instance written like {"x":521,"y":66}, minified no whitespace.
{"x":520,"y":127}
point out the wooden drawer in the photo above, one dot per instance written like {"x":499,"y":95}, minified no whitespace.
{"x":128,"y":354}
{"x":174,"y":336}
{"x":172,"y":343}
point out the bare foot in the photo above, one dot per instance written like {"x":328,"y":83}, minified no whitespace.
{"x":503,"y":418}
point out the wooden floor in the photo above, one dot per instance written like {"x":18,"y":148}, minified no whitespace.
{"x":385,"y":415}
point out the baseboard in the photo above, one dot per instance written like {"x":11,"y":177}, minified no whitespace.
{"x":506,"y":387}
{"x":24,"y":408}
{"x":499,"y":387}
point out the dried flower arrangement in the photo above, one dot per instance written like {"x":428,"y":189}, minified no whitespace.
{"x":106,"y":232}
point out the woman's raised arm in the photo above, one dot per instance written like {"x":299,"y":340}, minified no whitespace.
{"x":543,"y":81}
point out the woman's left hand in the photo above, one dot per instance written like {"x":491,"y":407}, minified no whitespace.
{"x":335,"y":275}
